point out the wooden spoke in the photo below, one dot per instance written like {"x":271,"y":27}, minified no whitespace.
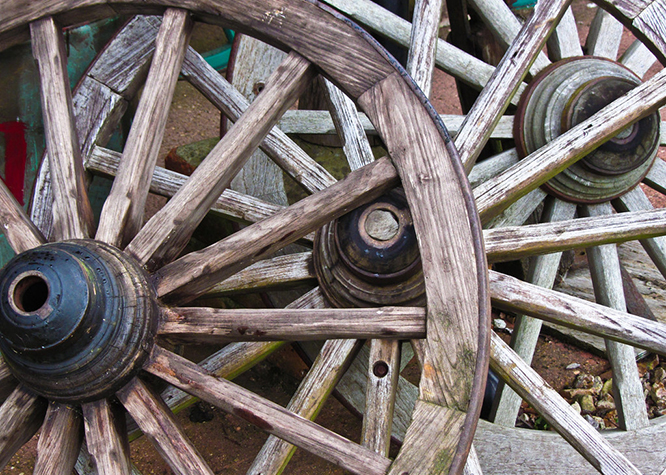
{"x":604,"y":265}
{"x":330,"y":365}
{"x":473,"y":466}
{"x":518,"y":212}
{"x":280,"y":148}
{"x":505,"y":26}
{"x":604,"y":36}
{"x":513,"y":295}
{"x":656,"y":177}
{"x":542,"y":271}
{"x":7,"y":381}
{"x":564,"y":42}
{"x":265,"y":414}
{"x":423,"y":44}
{"x":123,"y":211}
{"x":222,"y":325}
{"x":106,"y":438}
{"x":564,"y":419}
{"x":280,"y":272}
{"x":73,"y":216}
{"x":505,"y":244}
{"x":21,"y":414}
{"x":20,"y":232}
{"x":348,"y":125}
{"x":637,"y":201}
{"x":638,"y":58}
{"x":157,"y":422}
{"x":165,"y":235}
{"x":381,"y":389}
{"x":492,"y":166}
{"x":181,"y":280}
{"x":497,"y":193}
{"x":496,"y":95}
{"x":231,"y":204}
{"x":236,"y":358}
{"x":60,"y":440}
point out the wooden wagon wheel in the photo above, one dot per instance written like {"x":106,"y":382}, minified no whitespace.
{"x":84,"y":313}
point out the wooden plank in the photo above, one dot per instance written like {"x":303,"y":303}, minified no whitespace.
{"x":497,"y":193}
{"x":106,"y":438}
{"x":59,"y":441}
{"x":21,"y":414}
{"x":280,"y":148}
{"x":181,"y":280}
{"x":123,"y":211}
{"x":73,"y":216}
{"x":638,"y":58}
{"x":330,"y":365}
{"x":85,"y":465}
{"x":169,"y":230}
{"x":21,"y":234}
{"x":186,"y":324}
{"x":604,"y":36}
{"x":562,"y":417}
{"x":384,"y":370}
{"x":518,"y":212}
{"x":158,"y":424}
{"x":650,"y":22}
{"x":656,"y":177}
{"x":473,"y":466}
{"x":265,"y":414}
{"x":486,"y":169}
{"x":564,"y":42}
{"x":512,"y":69}
{"x":505,"y":244}
{"x":423,"y":44}
{"x":280,"y":272}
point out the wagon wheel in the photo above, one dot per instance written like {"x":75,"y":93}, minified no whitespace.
{"x":84,"y":314}
{"x":508,"y":190}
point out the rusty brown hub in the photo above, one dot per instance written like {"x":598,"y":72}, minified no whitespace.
{"x":370,"y":256}
{"x":564,"y":95}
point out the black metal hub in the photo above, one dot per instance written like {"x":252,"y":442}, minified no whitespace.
{"x":564,"y":95}
{"x":370,"y":257}
{"x":77,"y":319}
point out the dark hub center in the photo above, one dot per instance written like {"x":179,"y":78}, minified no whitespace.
{"x":564,"y":95}
{"x":370,"y":256}
{"x":76,"y":319}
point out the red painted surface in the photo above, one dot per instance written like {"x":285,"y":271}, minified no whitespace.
{"x":16,"y":152}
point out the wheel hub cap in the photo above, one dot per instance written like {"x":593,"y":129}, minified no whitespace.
{"x":77,"y":319}
{"x":564,"y":95}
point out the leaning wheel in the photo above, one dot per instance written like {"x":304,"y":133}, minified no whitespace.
{"x":587,"y":133}
{"x":84,"y":312}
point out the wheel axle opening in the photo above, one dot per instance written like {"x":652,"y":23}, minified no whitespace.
{"x":31,"y":292}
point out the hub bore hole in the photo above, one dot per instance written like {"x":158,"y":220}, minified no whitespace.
{"x":31,"y":293}
{"x":380,"y":369}
{"x":382,"y":225}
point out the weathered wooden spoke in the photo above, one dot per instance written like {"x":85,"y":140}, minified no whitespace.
{"x":22,"y":414}
{"x":604,"y":36}
{"x":7,"y":381}
{"x":638,"y":58}
{"x":106,"y":438}
{"x":564,"y":42}
{"x":21,"y":233}
{"x":60,"y":440}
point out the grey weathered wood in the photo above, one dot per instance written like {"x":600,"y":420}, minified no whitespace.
{"x":381,"y":390}
{"x":21,"y":414}
{"x":638,"y":58}
{"x":473,"y":466}
{"x":7,"y":381}
{"x":73,"y":216}
{"x":423,"y":43}
{"x":85,"y":465}
{"x":157,"y":422}
{"x":604,"y":36}
{"x":564,"y":42}
{"x":650,"y":22}
{"x":123,"y":211}
{"x":497,"y":193}
{"x":181,"y":281}
{"x":280,"y":148}
{"x":518,"y":212}
{"x":564,"y":419}
{"x":168,"y":231}
{"x":492,"y":166}
{"x":503,"y":244}
{"x":319,"y":382}
{"x":15,"y":224}
{"x":221,"y":325}
{"x":59,"y":441}
{"x":264,"y":414}
{"x":542,"y":271}
{"x":279,"y":272}
{"x":106,"y":438}
{"x":496,"y":95}
{"x":656,"y":177}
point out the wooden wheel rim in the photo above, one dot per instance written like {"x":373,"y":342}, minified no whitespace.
{"x":292,"y":28}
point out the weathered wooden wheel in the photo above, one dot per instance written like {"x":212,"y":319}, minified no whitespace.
{"x":85,"y":306}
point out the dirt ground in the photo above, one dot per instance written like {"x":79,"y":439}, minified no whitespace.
{"x":230,"y":444}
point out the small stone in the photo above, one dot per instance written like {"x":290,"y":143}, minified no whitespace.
{"x":499,"y":324}
{"x":576,"y":407}
{"x":587,"y":404}
{"x":658,"y":393}
{"x":597,"y":385}
{"x":591,"y":421}
{"x":576,"y":393}
{"x":606,"y":404}
{"x":659,"y":374}
{"x":573,"y":366}
{"x":584,"y":381}
{"x":600,"y":422}
{"x":607,"y":387}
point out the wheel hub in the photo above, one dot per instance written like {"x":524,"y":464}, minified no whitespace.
{"x":370,"y":257}
{"x":77,"y":319}
{"x":564,"y":95}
